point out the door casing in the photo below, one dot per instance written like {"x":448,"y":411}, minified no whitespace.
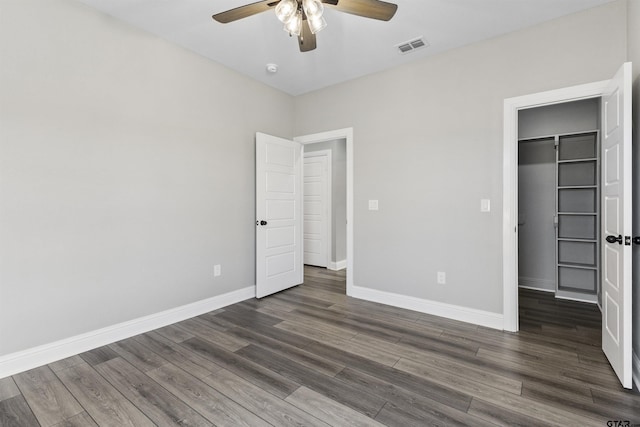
{"x":510,"y":183}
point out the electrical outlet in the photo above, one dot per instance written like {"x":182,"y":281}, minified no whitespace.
{"x":217,"y":271}
{"x":442,"y":277}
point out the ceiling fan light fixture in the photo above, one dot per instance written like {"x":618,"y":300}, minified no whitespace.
{"x":313,"y":9}
{"x":286,"y":9}
{"x":294,"y":25}
{"x":304,"y":18}
{"x":317,"y":24}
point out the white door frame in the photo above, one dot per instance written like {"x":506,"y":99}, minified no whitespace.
{"x":510,"y":184}
{"x":329,"y":201}
{"x":347,"y":135}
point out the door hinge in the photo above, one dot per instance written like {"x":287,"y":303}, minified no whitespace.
{"x":627,"y":240}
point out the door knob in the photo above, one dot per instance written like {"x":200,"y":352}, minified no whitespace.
{"x":263,"y":222}
{"x":613,"y":239}
{"x":636,"y":240}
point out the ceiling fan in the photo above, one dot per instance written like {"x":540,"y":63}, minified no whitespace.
{"x":303,"y":18}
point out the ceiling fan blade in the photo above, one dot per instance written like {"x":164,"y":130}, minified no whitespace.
{"x":306,"y":39}
{"x":374,"y":9}
{"x":244,"y":11}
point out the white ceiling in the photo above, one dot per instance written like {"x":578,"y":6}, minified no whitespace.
{"x":349,"y":47}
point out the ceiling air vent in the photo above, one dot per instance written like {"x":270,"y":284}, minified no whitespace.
{"x":411,"y":45}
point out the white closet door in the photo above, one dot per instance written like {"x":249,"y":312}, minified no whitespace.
{"x":616,"y":224}
{"x":316,"y":208}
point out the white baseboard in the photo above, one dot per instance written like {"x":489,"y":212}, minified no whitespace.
{"x":576,"y":296}
{"x":455,"y":312}
{"x":536,"y":283}
{"x":339,"y":265}
{"x":533,"y":288}
{"x":636,"y":370}
{"x":21,"y":361}
{"x":571,"y":296}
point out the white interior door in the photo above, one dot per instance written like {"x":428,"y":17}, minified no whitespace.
{"x":278,"y":214}
{"x":616,"y":224}
{"x":316,"y":208}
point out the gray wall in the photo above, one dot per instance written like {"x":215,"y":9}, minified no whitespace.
{"x":537,"y":184}
{"x":126,"y":172}
{"x":569,"y":117}
{"x":339,"y":194}
{"x":428,"y":146}
{"x":634,"y":56}
{"x":127,"y":164}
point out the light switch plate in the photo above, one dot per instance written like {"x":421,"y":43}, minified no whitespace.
{"x":485,"y":205}
{"x":373,"y":205}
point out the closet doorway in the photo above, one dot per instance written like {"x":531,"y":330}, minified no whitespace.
{"x":615,"y":208}
{"x":343,"y":138}
{"x":325,"y":204}
{"x":559,"y":200}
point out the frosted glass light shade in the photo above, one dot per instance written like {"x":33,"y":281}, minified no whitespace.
{"x":317,"y":24}
{"x":312,"y":8}
{"x":294,"y":25}
{"x":286,"y":9}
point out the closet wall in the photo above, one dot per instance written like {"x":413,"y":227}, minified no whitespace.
{"x":536,"y":208}
{"x":537,"y":185}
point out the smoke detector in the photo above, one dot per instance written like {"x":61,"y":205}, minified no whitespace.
{"x":272,"y":68}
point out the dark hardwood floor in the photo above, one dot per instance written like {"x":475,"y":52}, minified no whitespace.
{"x":312,"y":356}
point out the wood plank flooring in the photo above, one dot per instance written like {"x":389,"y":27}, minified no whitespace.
{"x":312,"y":356}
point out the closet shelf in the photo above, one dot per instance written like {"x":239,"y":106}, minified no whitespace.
{"x":577,"y":239}
{"x":574,"y":290}
{"x":578,"y":213}
{"x":577,"y":265}
{"x":589,"y":159}
{"x":576,"y":172}
{"x":579,"y":166}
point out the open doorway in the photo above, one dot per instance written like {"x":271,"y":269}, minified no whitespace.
{"x":559,"y":200}
{"x":616,"y":199}
{"x":328,"y":244}
{"x":512,"y":109}
{"x":325,"y":213}
{"x":279,"y":210}
{"x":325,"y":204}
{"x":559,"y":265}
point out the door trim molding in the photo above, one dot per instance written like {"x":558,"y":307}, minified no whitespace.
{"x":329,"y":201}
{"x":510,"y":183}
{"x":636,"y":370}
{"x":347,"y":135}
